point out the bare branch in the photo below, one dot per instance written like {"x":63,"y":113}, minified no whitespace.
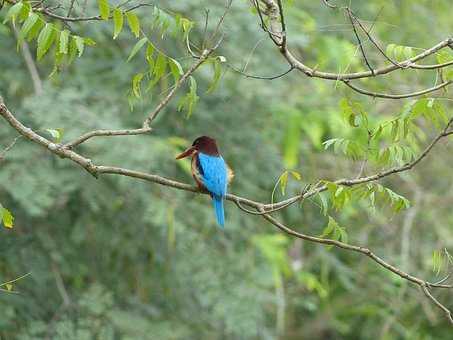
{"x":397,"y":96}
{"x":360,"y":42}
{"x":247,"y":75}
{"x":370,"y":37}
{"x":98,"y":133}
{"x":71,"y":7}
{"x":431,"y":67}
{"x":447,"y":312}
{"x":364,"y":74}
{"x":328,"y":4}
{"x":9,"y":147}
{"x":220,"y":22}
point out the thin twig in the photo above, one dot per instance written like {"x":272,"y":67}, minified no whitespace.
{"x":9,"y":147}
{"x":98,"y":133}
{"x":247,"y":75}
{"x":397,"y":96}
{"x":447,"y":312}
{"x":328,"y":4}
{"x":360,"y":42}
{"x":373,"y":41}
{"x":71,"y":7}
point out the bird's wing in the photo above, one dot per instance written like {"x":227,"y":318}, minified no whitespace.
{"x":214,"y":173}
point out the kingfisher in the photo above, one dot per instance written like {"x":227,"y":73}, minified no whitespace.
{"x":210,"y":172}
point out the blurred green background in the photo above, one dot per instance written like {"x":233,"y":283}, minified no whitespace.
{"x":117,"y":258}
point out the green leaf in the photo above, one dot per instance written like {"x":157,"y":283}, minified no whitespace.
{"x":324,"y":203}
{"x":296,"y":175}
{"x":330,"y":228}
{"x":13,"y":12}
{"x":117,"y":22}
{"x":186,"y":25}
{"x":137,"y":48}
{"x":337,"y":232}
{"x":175,"y":68}
{"x":136,"y":84}
{"x":79,"y":43}
{"x":25,"y":11}
{"x":56,"y":134}
{"x":149,"y":53}
{"x":89,"y":41}
{"x":190,"y":100}
{"x":150,"y":60}
{"x":134,"y":23}
{"x":57,"y":62}
{"x":27,"y":26}
{"x":339,"y":191}
{"x":438,"y":261}
{"x":398,"y":52}
{"x":160,"y":67}
{"x":343,"y":235}
{"x":193,"y":98}
{"x":7,"y":217}
{"x":390,"y":50}
{"x":354,"y":113}
{"x":35,"y":29}
{"x":444,"y":56}
{"x":104,"y":9}
{"x":216,"y":77}
{"x":283,"y":182}
{"x":64,"y":42}
{"x":45,"y":40}
{"x":407,"y":52}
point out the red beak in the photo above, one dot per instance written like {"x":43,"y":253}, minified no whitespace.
{"x":188,"y":152}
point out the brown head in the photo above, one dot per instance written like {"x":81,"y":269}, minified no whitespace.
{"x":204,"y":144}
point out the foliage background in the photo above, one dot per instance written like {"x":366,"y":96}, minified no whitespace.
{"x":118,"y":258}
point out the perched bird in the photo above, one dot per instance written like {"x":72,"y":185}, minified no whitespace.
{"x":209,"y":171}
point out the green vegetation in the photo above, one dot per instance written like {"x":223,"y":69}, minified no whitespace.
{"x":116,"y":257}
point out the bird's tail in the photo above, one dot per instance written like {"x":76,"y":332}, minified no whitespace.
{"x":220,"y":213}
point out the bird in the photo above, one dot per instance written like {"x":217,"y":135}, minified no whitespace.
{"x":210,"y":172}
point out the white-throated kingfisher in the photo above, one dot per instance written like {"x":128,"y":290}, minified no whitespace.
{"x":210,"y":171}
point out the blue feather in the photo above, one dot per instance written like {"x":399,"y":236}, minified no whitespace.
{"x":220,"y":214}
{"x":214,"y":177}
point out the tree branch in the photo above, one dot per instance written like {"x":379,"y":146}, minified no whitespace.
{"x":366,"y":179}
{"x":274,"y":11}
{"x":203,"y":57}
{"x":152,"y":115}
{"x":98,"y":133}
{"x":397,"y":96}
{"x":247,"y":75}
{"x":351,"y":19}
{"x":68,"y":18}
{"x":259,"y":207}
